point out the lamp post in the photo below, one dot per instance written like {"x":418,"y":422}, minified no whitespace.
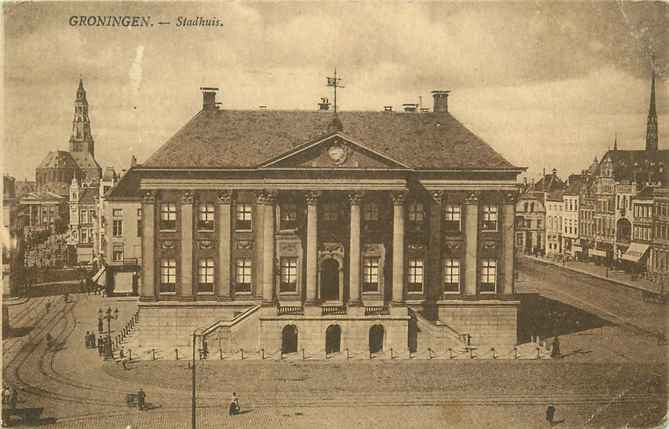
{"x":108,"y":316}
{"x":196,"y":333}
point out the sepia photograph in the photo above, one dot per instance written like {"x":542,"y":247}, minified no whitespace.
{"x":335,"y":214}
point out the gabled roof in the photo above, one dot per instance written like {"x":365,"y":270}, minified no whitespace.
{"x":85,"y":160}
{"x":248,"y":139}
{"x":550,"y":183}
{"x":87,"y":195}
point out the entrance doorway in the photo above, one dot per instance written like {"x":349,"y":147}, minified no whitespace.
{"x":376,"y":339}
{"x":333,"y":339}
{"x":330,"y":280}
{"x":413,"y":335}
{"x":289,"y":339}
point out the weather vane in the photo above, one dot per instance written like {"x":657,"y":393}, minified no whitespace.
{"x":334,"y":82}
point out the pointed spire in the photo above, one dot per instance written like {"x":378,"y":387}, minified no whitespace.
{"x":615,"y":142}
{"x":651,"y":126}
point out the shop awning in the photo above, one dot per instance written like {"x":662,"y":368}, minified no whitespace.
{"x":597,"y":252}
{"x":635,"y":252}
{"x":99,"y":276}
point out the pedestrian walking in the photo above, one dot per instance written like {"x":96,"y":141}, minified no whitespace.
{"x":550,"y":414}
{"x":234,"y":405}
{"x":555,"y":351}
{"x":93,"y":342}
{"x":87,"y":339}
{"x":100,"y":346}
{"x":100,"y":326}
{"x":124,"y":363}
{"x":141,"y":397}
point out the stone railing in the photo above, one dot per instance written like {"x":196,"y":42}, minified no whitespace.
{"x":289,"y":309}
{"x":329,"y":310}
{"x":376,"y":310}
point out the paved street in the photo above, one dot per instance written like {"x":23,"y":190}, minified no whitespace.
{"x":610,"y":375}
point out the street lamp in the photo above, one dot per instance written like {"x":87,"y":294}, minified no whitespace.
{"x":197,"y":332}
{"x":107,"y":315}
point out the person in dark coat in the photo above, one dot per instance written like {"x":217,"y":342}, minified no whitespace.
{"x":100,"y":326}
{"x":234,"y":405}
{"x":555,"y":351}
{"x":141,"y":397}
{"x":550,"y":414}
{"x":87,"y":339}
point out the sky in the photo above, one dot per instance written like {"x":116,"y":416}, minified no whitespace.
{"x":548,"y":85}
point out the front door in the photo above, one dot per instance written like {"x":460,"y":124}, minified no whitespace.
{"x":330,"y":280}
{"x":332,"y":339}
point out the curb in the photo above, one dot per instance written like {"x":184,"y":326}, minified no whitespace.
{"x":587,"y":273}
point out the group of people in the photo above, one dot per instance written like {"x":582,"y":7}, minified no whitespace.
{"x":91,"y":341}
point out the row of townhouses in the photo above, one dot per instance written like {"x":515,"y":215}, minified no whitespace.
{"x":613,"y":212}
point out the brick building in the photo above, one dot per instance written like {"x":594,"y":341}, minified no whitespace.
{"x":322,"y":231}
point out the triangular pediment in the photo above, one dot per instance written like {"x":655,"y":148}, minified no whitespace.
{"x":336,"y":150}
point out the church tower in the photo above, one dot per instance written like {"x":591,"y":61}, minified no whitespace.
{"x":81,"y":139}
{"x":651,"y":127}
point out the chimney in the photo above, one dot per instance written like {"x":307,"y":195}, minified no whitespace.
{"x":209,"y":98}
{"x":410,"y":107}
{"x":440,"y":99}
{"x":387,"y":108}
{"x":324,"y":105}
{"x":133,"y":161}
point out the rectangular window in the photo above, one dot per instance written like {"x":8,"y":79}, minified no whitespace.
{"x":117,"y":253}
{"x":205,"y":220}
{"x":489,"y":218}
{"x":370,"y":275}
{"x":83,"y":216}
{"x":117,"y":213}
{"x":117,"y":228}
{"x":168,"y":216}
{"x":243,"y":275}
{"x":139,"y":222}
{"x":288,"y":275}
{"x":371,"y":212}
{"x":205,"y":275}
{"x":244,"y":217}
{"x":451,"y":276}
{"x":415,"y":275}
{"x":168,"y":275}
{"x":416,"y":212}
{"x":288,"y":219}
{"x":84,"y":236}
{"x":452,"y":217}
{"x":488,"y":276}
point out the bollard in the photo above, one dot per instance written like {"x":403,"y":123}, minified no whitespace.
{"x":391,"y":353}
{"x":429,"y":353}
{"x":494,"y":353}
{"x":347,"y":355}
{"x":129,"y":354}
{"x":538,"y":352}
{"x":302,"y":354}
{"x":220,"y":354}
{"x":176,"y":353}
{"x":241,"y":353}
{"x":471,"y":353}
{"x":262,"y":354}
{"x":153,"y":354}
{"x":370,"y":355}
{"x":450,"y":353}
{"x":515,"y":352}
{"x":281,"y":355}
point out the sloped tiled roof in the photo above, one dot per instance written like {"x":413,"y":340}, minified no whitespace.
{"x":126,"y":188}
{"x":550,"y":183}
{"x":246,"y":139}
{"x":85,"y":160}
{"x":638,"y":165}
{"x":87,"y":195}
{"x":43,"y":196}
{"x":58,"y":159}
{"x":25,"y":186}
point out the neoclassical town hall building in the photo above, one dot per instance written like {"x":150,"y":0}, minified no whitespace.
{"x":324,"y":231}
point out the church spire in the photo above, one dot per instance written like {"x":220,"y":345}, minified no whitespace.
{"x":651,"y":127}
{"x":81,"y":139}
{"x":615,"y":142}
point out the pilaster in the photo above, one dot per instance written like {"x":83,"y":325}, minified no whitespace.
{"x":312,"y":246}
{"x":268,"y":249}
{"x":354,"y":249}
{"x":399,"y":280}
{"x":148,"y":286}
{"x":186,"y":246}
{"x":223,"y":228}
{"x":471,"y":243}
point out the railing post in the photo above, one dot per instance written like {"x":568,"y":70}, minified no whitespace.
{"x":515,"y":352}
{"x":450,"y":353}
{"x":429,"y":353}
{"x":494,"y":353}
{"x":262,"y":354}
{"x":241,"y":353}
{"x":176,"y":353}
{"x":220,"y":354}
{"x":153,"y":354}
{"x":391,"y":353}
{"x":471,"y":353}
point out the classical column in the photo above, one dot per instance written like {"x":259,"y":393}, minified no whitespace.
{"x":187,"y":287}
{"x":148,"y":290}
{"x":268,"y":249}
{"x":258,"y":227}
{"x":312,"y":245}
{"x":471,"y":242}
{"x":398,"y":246}
{"x":223,"y":227}
{"x":434,"y":279}
{"x":354,"y":249}
{"x":508,"y":254}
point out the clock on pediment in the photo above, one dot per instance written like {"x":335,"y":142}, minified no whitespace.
{"x":338,"y":152}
